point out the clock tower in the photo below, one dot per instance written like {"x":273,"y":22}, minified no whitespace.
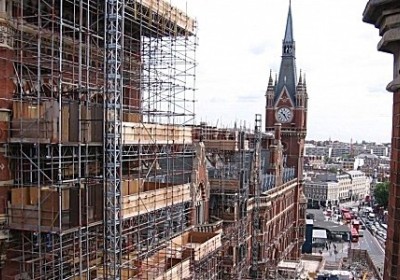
{"x":286,"y":102}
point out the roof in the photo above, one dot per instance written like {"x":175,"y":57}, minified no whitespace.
{"x":319,"y":233}
{"x":355,"y":172}
{"x":287,"y":71}
{"x":332,"y":227}
{"x":318,"y":214}
{"x":373,"y":156}
{"x":289,"y":26}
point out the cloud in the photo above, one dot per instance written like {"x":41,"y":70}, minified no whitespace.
{"x":248,"y":98}
{"x":346,"y":75}
{"x":259,"y":48}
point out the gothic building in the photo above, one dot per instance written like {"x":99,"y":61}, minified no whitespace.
{"x":286,"y":105}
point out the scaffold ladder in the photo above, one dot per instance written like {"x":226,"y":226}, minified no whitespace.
{"x":113,"y":43}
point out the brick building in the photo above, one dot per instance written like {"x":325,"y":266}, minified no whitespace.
{"x":385,"y":15}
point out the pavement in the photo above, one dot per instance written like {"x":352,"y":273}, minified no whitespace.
{"x":330,"y":254}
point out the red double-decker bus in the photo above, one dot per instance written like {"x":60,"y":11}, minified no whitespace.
{"x":347,"y":217}
{"x":354,"y":235}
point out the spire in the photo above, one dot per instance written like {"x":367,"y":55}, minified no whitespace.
{"x":289,"y":26}
{"x":300,"y":79}
{"x":270,"y":78}
{"x":287,"y":72}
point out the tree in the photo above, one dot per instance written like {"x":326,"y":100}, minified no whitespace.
{"x":381,"y":193}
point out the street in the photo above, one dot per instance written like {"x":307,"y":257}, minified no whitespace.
{"x":370,"y":243}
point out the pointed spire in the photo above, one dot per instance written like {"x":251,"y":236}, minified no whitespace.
{"x":270,"y":78}
{"x":289,"y":26}
{"x":276,"y":78}
{"x":304,"y":82}
{"x":300,"y":79}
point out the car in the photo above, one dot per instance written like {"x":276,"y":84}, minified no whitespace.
{"x":362,"y":226}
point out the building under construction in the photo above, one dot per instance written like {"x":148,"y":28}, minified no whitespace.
{"x":104,"y":174}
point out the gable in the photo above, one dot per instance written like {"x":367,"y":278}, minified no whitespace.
{"x":284,"y":99}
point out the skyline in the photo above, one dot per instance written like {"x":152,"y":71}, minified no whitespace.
{"x":346,"y":75}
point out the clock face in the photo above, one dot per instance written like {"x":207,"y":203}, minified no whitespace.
{"x":284,"y":115}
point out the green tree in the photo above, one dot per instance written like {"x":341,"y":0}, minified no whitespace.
{"x":381,"y":193}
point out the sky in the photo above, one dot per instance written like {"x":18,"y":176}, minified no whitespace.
{"x":240,"y":42}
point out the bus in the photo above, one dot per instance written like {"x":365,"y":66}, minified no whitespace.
{"x":347,"y":217}
{"x":354,"y":234}
{"x":356,"y":224}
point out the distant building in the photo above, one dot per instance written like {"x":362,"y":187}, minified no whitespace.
{"x":329,"y":188}
{"x":312,"y":150}
{"x":379,"y":150}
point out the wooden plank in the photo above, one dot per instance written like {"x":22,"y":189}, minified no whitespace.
{"x":144,"y":202}
{"x":170,"y":14}
{"x":145,"y":133}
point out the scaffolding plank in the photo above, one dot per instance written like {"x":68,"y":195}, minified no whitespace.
{"x":146,"y":133}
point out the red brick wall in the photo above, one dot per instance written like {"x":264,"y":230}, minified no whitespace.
{"x":392,"y":260}
{"x":7,"y":86}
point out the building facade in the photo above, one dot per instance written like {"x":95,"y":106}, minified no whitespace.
{"x":286,"y":108}
{"x":331,"y":188}
{"x":385,"y":15}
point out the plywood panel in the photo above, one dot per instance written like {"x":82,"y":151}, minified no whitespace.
{"x":96,"y":121}
{"x":74,"y":122}
{"x":65,"y":121}
{"x":135,"y":186}
{"x":125,"y":187}
{"x":20,"y":196}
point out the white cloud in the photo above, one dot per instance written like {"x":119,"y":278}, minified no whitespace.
{"x":239,"y":41}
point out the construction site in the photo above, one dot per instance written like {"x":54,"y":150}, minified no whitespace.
{"x":104,"y":173}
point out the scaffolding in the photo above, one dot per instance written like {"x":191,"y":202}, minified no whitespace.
{"x":229,"y":156}
{"x":103,"y":174}
{"x":97,"y":105}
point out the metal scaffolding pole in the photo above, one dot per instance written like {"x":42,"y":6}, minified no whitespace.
{"x":256,"y":180}
{"x":114,"y":13}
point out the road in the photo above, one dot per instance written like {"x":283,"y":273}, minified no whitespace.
{"x":370,"y":243}
{"x":376,"y":252}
